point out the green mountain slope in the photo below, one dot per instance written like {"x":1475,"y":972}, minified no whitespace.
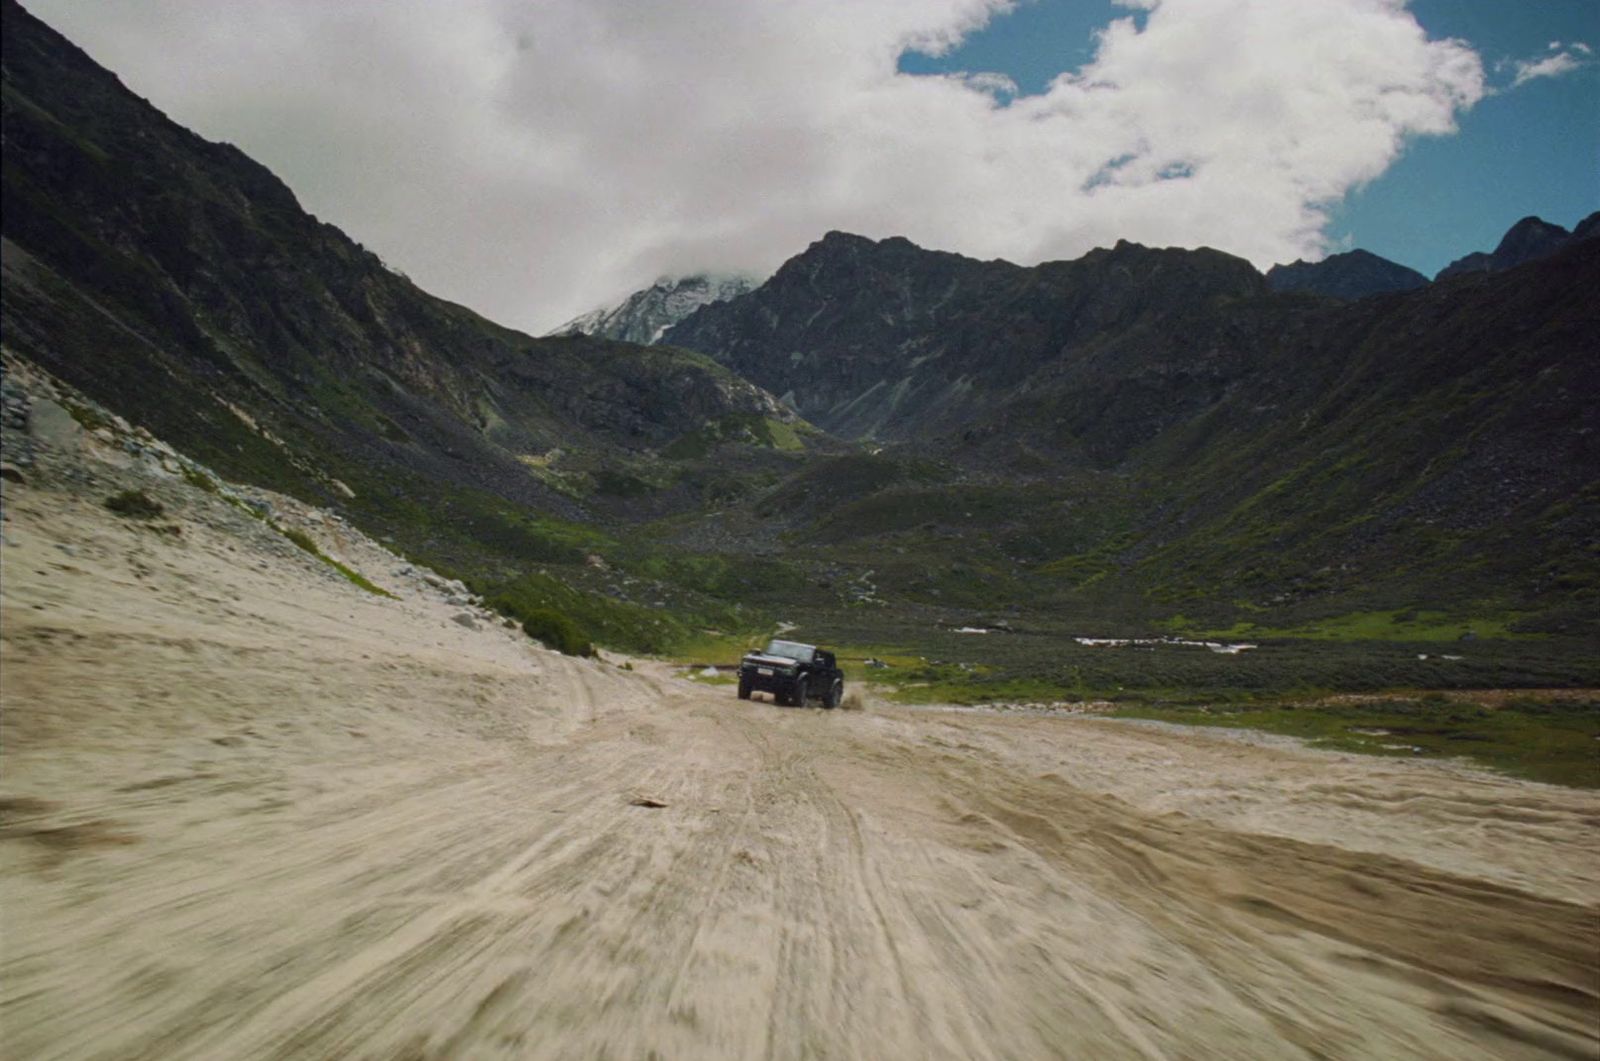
{"x":180,"y":283}
{"x":1173,"y":437}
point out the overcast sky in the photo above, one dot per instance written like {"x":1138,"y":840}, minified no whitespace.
{"x":537,"y":159}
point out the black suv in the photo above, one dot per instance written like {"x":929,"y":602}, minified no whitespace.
{"x":793,"y":673}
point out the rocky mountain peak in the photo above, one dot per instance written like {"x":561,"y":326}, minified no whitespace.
{"x":836,"y":246}
{"x":1532,"y":237}
{"x":839,"y":240}
{"x":1528,"y":240}
{"x":1353,"y":274}
{"x":645,"y":315}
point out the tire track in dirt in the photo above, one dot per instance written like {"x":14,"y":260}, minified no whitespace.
{"x":1227,"y":895}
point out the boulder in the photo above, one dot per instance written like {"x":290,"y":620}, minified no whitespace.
{"x":51,"y":425}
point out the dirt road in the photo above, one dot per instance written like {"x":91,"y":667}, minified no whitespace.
{"x":252,"y":812}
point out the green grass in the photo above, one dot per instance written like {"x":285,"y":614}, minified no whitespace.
{"x":355,"y":578}
{"x":1040,"y":659}
{"x":747,"y":428}
{"x":616,"y":624}
{"x":1399,"y":624}
{"x":471,"y":525}
{"x":1543,"y":739}
{"x":853,"y":661}
{"x":913,"y":678}
{"x":88,"y":418}
{"x":499,"y":548}
{"x":554,"y":630}
{"x":621,"y":484}
{"x":302,"y":539}
{"x":943,"y":685}
{"x":199,"y":480}
{"x":782,"y":436}
{"x":729,"y":578}
{"x":716,"y":646}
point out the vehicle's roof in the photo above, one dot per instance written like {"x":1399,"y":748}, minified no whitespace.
{"x":791,"y":644}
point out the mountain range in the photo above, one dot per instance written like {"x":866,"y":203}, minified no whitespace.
{"x":878,"y":434}
{"x":644,"y":316}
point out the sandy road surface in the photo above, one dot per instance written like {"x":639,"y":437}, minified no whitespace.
{"x":250,"y":811}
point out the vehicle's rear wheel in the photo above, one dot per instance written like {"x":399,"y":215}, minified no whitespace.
{"x":800,"y":693}
{"x":744,"y":687}
{"x":835,"y":694}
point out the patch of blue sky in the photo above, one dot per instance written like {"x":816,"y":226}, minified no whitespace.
{"x":1529,"y":148}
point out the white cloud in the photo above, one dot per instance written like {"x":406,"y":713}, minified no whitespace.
{"x":537,"y":160}
{"x":997,"y":85}
{"x":1564,"y":61}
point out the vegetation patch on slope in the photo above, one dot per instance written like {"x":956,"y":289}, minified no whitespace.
{"x":1399,"y":624}
{"x":355,"y":578}
{"x":1540,"y":737}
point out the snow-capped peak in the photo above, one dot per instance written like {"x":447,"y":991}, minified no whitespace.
{"x":644,"y":316}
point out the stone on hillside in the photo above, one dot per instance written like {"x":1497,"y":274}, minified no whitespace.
{"x":52,"y":425}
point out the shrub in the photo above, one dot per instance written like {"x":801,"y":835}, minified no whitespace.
{"x":89,"y":419}
{"x":554,"y":630}
{"x":617,"y":624}
{"x":135,"y":504}
{"x":197,"y":478}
